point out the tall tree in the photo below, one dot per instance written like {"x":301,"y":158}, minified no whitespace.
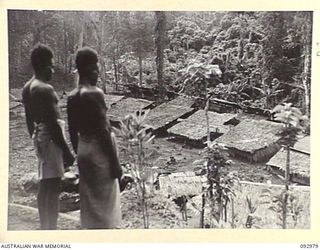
{"x":291,"y":117}
{"x":306,"y":53}
{"x":160,"y":44}
{"x":272,"y":45}
{"x":140,"y":37}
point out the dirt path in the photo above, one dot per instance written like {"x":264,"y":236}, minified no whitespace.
{"x":26,"y":218}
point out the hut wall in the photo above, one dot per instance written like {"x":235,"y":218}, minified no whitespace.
{"x":296,"y":178}
{"x":260,"y":155}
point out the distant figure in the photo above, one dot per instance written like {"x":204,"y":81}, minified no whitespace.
{"x":94,"y":143}
{"x":45,"y":127}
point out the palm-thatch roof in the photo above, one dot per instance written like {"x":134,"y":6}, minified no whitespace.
{"x":16,"y":109}
{"x":251,"y":135}
{"x":162,"y":116}
{"x":299,"y":162}
{"x":253,"y":140}
{"x":127,"y":106}
{"x":303,"y":144}
{"x":183,"y":101}
{"x":112,"y":99}
{"x":194,"y":127}
{"x":179,"y":184}
{"x":14,"y":104}
{"x":15,"y":94}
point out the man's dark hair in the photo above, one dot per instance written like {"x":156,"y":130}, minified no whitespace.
{"x":41,"y":56}
{"x":85,"y":56}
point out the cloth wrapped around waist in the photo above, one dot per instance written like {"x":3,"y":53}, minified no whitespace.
{"x":42,"y":131}
{"x":49,"y":154}
{"x":101,"y":147}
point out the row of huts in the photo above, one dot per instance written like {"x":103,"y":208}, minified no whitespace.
{"x":249,"y":139}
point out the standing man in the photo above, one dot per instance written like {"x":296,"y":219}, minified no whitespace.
{"x":44,"y":126}
{"x":94,"y":143}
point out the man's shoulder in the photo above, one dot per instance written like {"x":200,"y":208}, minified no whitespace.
{"x":39,"y":85}
{"x":91,"y":91}
{"x":73,"y":93}
{"x":44,"y":90}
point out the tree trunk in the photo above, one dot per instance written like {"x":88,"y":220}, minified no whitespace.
{"x":241,"y":41}
{"x":101,"y":52}
{"x":202,"y":208}
{"x":307,"y":66}
{"x":286,"y":196}
{"x":159,"y":41}
{"x":36,"y":35}
{"x":65,"y":47}
{"x":140,"y":69}
{"x":287,"y":173}
{"x":115,"y":70}
{"x":206,"y":109}
{"x":306,"y":82}
{"x":80,"y":43}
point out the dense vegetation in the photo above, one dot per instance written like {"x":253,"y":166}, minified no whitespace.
{"x":255,"y":58}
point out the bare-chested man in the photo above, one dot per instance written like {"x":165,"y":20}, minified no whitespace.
{"x":92,"y":139}
{"x":44,"y":126}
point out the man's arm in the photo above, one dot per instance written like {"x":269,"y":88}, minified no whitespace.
{"x":26,"y":104}
{"x":29,"y":120}
{"x":54,"y":127}
{"x":107,"y":140}
{"x":72,"y":121}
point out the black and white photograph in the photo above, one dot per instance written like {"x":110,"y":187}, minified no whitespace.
{"x":159,"y":119}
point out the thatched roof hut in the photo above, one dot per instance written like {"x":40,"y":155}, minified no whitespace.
{"x":253,"y":140}
{"x":15,"y":94}
{"x":127,"y":106}
{"x":181,"y":183}
{"x":219,"y":105}
{"x":112,"y":99}
{"x":165,"y":115}
{"x":303,"y":144}
{"x":299,"y":162}
{"x":299,"y":165}
{"x":194,"y":127}
{"x":182,"y":101}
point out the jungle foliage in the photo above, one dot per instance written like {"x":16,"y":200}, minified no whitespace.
{"x":264,"y":57}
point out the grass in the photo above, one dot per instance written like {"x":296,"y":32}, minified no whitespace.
{"x":264,"y":217}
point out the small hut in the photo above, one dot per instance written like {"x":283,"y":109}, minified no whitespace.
{"x":299,"y":162}
{"x":182,"y":101}
{"x":15,"y":94}
{"x":181,"y":183}
{"x":127,"y":106}
{"x":194,"y":127}
{"x":219,"y":105}
{"x":253,"y":140}
{"x":303,"y":144}
{"x":15,"y":103}
{"x":112,"y":99}
{"x":165,"y":115}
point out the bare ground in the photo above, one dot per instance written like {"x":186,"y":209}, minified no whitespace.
{"x":163,"y":212}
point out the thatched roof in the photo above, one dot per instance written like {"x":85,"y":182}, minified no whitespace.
{"x":251,"y":135}
{"x":112,"y":99}
{"x":299,"y":162}
{"x":14,"y":104}
{"x":195,"y":128}
{"x":127,"y":106}
{"x":15,"y":94}
{"x":164,"y":114}
{"x":178,"y":184}
{"x":257,"y":187}
{"x":303,"y":144}
{"x":182,"y":101}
